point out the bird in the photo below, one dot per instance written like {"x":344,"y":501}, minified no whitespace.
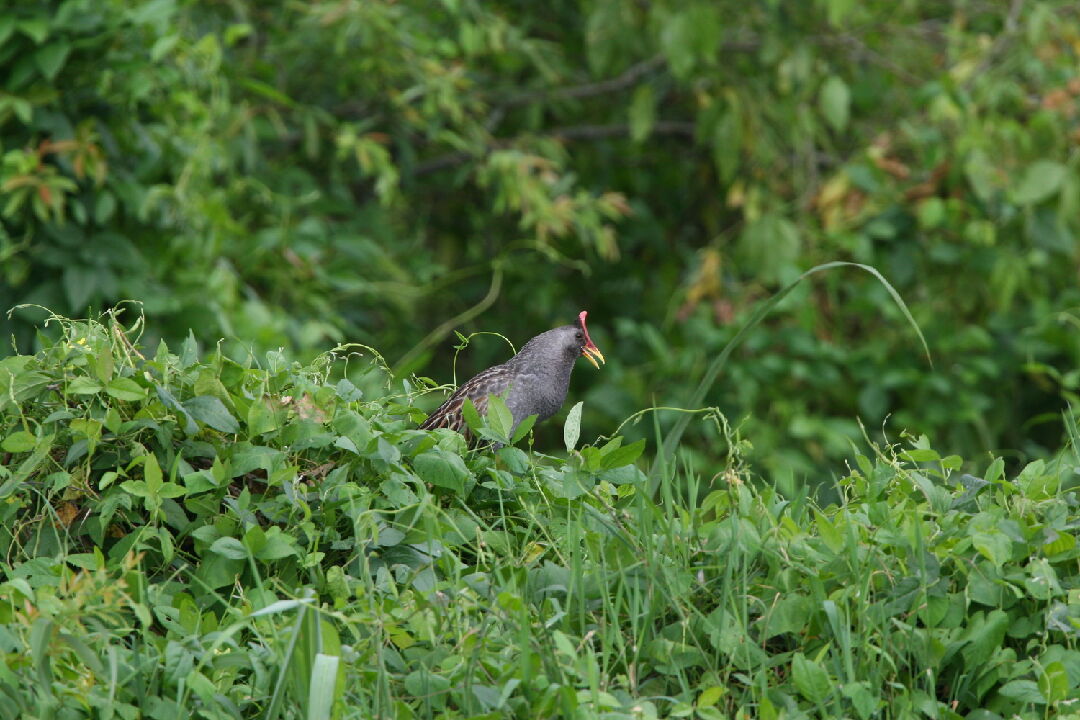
{"x":532,"y":382}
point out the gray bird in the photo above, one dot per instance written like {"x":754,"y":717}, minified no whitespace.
{"x":534,"y":381}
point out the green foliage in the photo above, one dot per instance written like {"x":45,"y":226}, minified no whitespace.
{"x":217,"y":539}
{"x":301,"y":174}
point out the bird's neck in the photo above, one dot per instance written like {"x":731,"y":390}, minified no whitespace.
{"x":554,"y":380}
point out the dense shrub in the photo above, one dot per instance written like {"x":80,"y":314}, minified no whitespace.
{"x":229,"y":540}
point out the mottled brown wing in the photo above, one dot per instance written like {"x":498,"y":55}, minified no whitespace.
{"x":493,"y":381}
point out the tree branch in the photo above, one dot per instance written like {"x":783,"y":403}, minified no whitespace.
{"x":627,"y":79}
{"x":570,"y":133}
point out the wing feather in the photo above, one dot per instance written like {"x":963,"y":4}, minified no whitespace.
{"x":493,"y":381}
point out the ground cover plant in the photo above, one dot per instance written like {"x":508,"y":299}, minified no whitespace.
{"x":253,"y":537}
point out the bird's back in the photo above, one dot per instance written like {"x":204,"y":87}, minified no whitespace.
{"x":493,"y":381}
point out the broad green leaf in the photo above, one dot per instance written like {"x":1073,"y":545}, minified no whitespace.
{"x":1024,"y":691}
{"x":810,"y":679}
{"x":834,"y":101}
{"x":123,"y":388}
{"x":442,"y":469}
{"x":269,"y":545}
{"x":710,"y":696}
{"x":1062,"y":542}
{"x":1054,"y":682}
{"x":499,"y":416}
{"x":19,"y":441}
{"x":625,"y":455}
{"x":472,"y":417}
{"x":51,"y":58}
{"x":791,"y":614}
{"x":152,"y":473}
{"x":862,"y":698}
{"x":163,"y":46}
{"x":210,"y":410}
{"x":260,"y":418}
{"x":984,"y":636}
{"x":35,"y":28}
{"x":84,"y":385}
{"x":1039,"y":181}
{"x":572,"y":427}
{"x":920,"y":455}
{"x":229,"y":547}
{"x":995,"y":546}
{"x":995,"y":470}
{"x":523,"y":429}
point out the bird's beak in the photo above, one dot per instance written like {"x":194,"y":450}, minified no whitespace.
{"x":592,"y":354}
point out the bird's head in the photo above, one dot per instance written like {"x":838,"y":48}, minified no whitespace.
{"x":585,"y":344}
{"x":560,"y":347}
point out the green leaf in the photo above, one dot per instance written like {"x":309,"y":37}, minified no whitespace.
{"x":209,"y":410}
{"x":834,"y":101}
{"x":260,"y":418}
{"x":229,"y":547}
{"x":523,"y":429}
{"x":37,"y":29}
{"x":984,"y":636}
{"x":324,"y":689}
{"x":862,"y":698}
{"x":153,"y":12}
{"x":995,"y":470}
{"x":1062,"y":542}
{"x":1040,"y":180}
{"x":18,"y":442}
{"x":624,"y":455}
{"x":1025,"y":691}
{"x":442,"y":469}
{"x":135,"y":487}
{"x":790,"y":615}
{"x":125,"y":389}
{"x":810,"y":679}
{"x":276,"y":545}
{"x":642,"y":112}
{"x":572,"y":427}
{"x":1054,"y":682}
{"x":51,"y":58}
{"x":499,"y":416}
{"x":920,"y":455}
{"x":472,"y":417}
{"x":163,"y":46}
{"x":189,"y":351}
{"x":152,"y":473}
{"x":995,"y":546}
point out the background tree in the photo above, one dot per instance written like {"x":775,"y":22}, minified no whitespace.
{"x":283,"y":174}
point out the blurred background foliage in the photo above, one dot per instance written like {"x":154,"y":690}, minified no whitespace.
{"x":300,"y":174}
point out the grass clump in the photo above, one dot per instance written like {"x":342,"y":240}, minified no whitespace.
{"x":213,"y":539}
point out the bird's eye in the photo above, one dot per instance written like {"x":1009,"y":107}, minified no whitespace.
{"x":579,"y":337}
